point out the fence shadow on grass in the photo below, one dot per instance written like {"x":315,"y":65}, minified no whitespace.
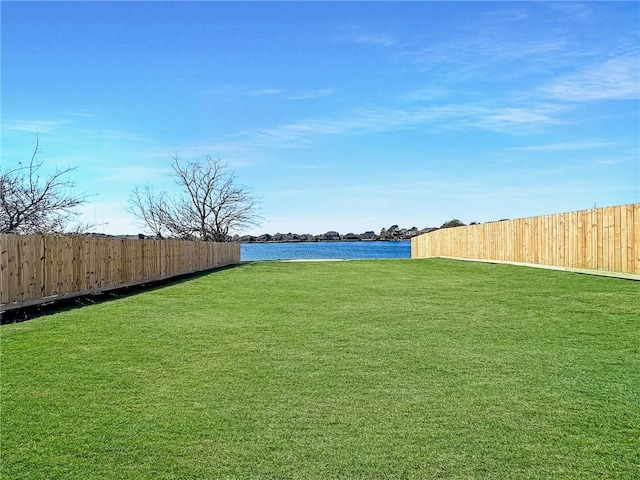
{"x":22,"y":314}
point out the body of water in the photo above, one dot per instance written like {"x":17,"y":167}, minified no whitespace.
{"x":325,"y":250}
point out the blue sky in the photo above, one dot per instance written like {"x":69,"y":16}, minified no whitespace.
{"x":347,"y":116}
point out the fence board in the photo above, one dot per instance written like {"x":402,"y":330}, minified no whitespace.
{"x":636,"y":237}
{"x":4,"y":273}
{"x":602,"y":239}
{"x":35,"y":268}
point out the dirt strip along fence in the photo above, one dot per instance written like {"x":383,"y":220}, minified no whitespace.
{"x":601,"y":239}
{"x":36,"y":269}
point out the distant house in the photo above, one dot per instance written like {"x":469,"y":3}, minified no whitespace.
{"x":351,"y":237}
{"x":370,"y":235}
{"x":331,"y":236}
{"x":245,"y":239}
{"x":408,"y":234}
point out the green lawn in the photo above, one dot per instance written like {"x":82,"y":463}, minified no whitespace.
{"x":332,"y":370}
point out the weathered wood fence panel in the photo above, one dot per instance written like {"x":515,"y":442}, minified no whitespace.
{"x":602,"y":239}
{"x":37,"y":268}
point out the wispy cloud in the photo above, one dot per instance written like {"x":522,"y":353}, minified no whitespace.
{"x":429,"y":93}
{"x":371,"y":120}
{"x":76,"y":113}
{"x":473,"y":59}
{"x":324,"y":92}
{"x":566,"y":146}
{"x":113,"y":135}
{"x":519,"y":115}
{"x":614,"y":79}
{"x":485,"y":46}
{"x":73,"y":129}
{"x":306,"y":131}
{"x":34,"y":126}
{"x":363,"y":120}
{"x":360,"y":36}
{"x":507,"y":117}
{"x":633,"y":159}
{"x":375,"y":39}
{"x":261,"y":92}
{"x":244,"y":91}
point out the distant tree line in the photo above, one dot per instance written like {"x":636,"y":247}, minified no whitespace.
{"x":393,"y":233}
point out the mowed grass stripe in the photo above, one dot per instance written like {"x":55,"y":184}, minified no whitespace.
{"x":360,"y":369}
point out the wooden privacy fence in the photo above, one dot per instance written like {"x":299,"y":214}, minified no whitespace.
{"x":602,"y":239}
{"x":36,"y":269}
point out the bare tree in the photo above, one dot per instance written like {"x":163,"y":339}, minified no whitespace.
{"x":210,"y":206}
{"x":148,"y":207}
{"x":31,"y":203}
